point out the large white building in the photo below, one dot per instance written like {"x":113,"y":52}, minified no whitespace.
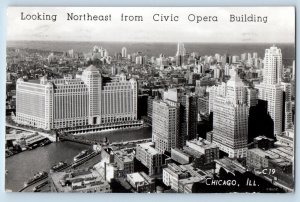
{"x":270,"y":89}
{"x":272,"y":66}
{"x":68,"y":102}
{"x":230,"y":118}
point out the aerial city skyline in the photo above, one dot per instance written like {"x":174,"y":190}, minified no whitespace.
{"x":185,"y":123}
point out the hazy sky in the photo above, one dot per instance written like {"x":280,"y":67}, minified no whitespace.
{"x":280,"y":27}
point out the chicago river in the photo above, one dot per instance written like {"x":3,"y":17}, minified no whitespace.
{"x":24,"y":165}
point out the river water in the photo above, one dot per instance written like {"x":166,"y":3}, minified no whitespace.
{"x":24,"y":165}
{"x":121,"y":135}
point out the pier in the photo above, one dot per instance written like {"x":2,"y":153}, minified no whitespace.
{"x":51,"y":137}
{"x":73,"y":165}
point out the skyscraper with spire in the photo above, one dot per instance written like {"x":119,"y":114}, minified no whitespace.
{"x":180,"y":54}
{"x":270,"y":88}
{"x":180,"y":49}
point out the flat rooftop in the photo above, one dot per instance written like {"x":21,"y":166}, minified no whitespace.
{"x":124,"y":155}
{"x":203,"y":143}
{"x":275,"y":153}
{"x":136,"y":177}
{"x":89,"y":178}
{"x":149,"y":147}
{"x":192,"y":152}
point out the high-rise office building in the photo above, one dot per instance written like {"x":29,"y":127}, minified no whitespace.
{"x":287,"y":117}
{"x":293,"y":70}
{"x":180,"y":54}
{"x":124,"y":52}
{"x":270,"y":89}
{"x":165,"y":125}
{"x":226,"y":70}
{"x":255,"y":55}
{"x":68,"y":102}
{"x":230,"y":118}
{"x":272,"y":93}
{"x":235,"y":58}
{"x":272,"y":72}
{"x":187,"y":113}
{"x":244,"y":56}
{"x":180,"y":49}
{"x":213,"y":91}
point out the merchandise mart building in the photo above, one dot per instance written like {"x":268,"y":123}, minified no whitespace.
{"x":68,"y":102}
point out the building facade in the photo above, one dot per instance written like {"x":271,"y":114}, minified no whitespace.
{"x":270,"y":89}
{"x":287,"y":106}
{"x":68,"y":102}
{"x":165,"y":125}
{"x":188,"y":104}
{"x":149,"y":157}
{"x":230,"y":118}
{"x":209,"y":150}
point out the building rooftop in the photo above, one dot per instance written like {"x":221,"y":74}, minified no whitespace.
{"x":175,"y":168}
{"x":181,"y":151}
{"x":149,"y":147}
{"x":192,"y":152}
{"x":190,"y":180}
{"x":125,"y":155}
{"x":34,"y":81}
{"x":202,"y":142}
{"x":263,"y":137}
{"x":288,"y":134}
{"x":275,"y":153}
{"x":196,"y":172}
{"x":91,"y":68}
{"x":231,"y":165}
{"x":78,"y":180}
{"x":136,"y":177}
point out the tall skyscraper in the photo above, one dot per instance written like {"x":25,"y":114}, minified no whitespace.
{"x":270,"y":89}
{"x":255,"y":55}
{"x":272,"y":66}
{"x":180,"y":49}
{"x":187,"y":113}
{"x":230,"y":118}
{"x":214,"y":91}
{"x":200,"y":69}
{"x":227,"y":70}
{"x":235,"y":58}
{"x":294,"y":71}
{"x":244,"y":56}
{"x":287,"y":117}
{"x":67,"y":102}
{"x":165,"y":125}
{"x":180,"y":54}
{"x":124,"y":52}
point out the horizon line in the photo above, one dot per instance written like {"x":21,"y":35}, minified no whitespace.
{"x":237,"y":42}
